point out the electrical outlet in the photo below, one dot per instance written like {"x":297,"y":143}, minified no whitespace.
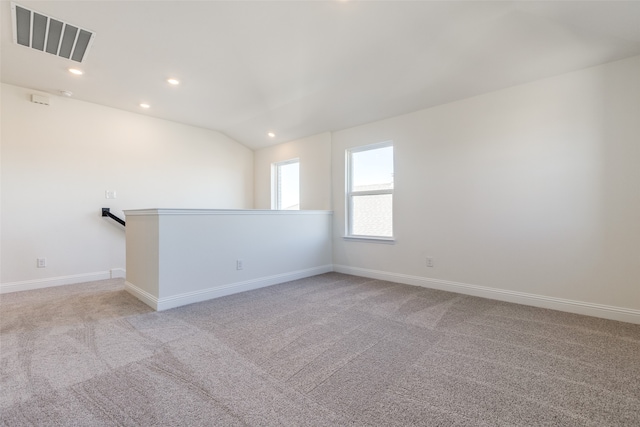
{"x":239,"y":264}
{"x":110,"y":194}
{"x":41,"y":262}
{"x":429,"y":261}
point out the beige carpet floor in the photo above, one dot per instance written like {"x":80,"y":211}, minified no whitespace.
{"x":330,"y":350}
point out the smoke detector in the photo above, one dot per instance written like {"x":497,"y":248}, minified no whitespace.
{"x":46,"y":34}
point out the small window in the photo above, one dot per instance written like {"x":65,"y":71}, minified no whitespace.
{"x":285,"y":180}
{"x":370,"y":191}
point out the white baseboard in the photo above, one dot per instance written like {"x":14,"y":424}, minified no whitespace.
{"x":173,"y":301}
{"x":571,"y":306}
{"x":28,"y":285}
{"x":142,"y":295}
{"x":118,"y":273}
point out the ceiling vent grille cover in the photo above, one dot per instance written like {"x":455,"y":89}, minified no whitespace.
{"x":46,"y":34}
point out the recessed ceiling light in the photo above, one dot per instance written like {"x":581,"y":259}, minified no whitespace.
{"x":144,"y":105}
{"x":66,"y":93}
{"x":76,"y":71}
{"x":271,"y":135}
{"x":173,"y":81}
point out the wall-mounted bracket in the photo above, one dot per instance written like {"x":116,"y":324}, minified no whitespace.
{"x":106,"y":212}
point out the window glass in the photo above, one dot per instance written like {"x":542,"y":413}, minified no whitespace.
{"x":370,"y":186}
{"x":372,"y":215}
{"x":372,"y":169}
{"x":286,"y":185}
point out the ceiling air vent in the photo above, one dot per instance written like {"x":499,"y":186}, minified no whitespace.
{"x":46,"y":34}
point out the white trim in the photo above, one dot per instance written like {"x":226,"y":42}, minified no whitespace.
{"x":14,"y":27}
{"x":571,"y":306}
{"x":374,"y":146}
{"x":368,"y":239}
{"x":179,"y":300}
{"x":142,"y":295}
{"x":350,"y":193}
{"x":28,"y":285}
{"x":372,"y":192}
{"x":287,"y":162}
{"x":276,"y":184}
{"x":579,"y":307}
{"x":146,"y":212}
{"x":118,"y":273}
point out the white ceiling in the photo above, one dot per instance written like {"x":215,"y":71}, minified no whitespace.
{"x":298,"y":68}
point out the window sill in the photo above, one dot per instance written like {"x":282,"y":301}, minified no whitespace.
{"x":383,"y":240}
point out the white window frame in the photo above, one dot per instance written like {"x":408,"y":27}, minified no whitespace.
{"x":349,"y":194}
{"x":276,"y":201}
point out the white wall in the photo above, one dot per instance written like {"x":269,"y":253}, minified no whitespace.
{"x":314,"y":153}
{"x":57,"y":162}
{"x":533,"y":190}
{"x":181,"y":256}
{"x":528,"y":192}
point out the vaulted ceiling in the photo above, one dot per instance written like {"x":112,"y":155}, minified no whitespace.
{"x":297,"y":68}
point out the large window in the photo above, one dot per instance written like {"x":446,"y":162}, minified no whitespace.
{"x":285,"y":181}
{"x":370,"y":191}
